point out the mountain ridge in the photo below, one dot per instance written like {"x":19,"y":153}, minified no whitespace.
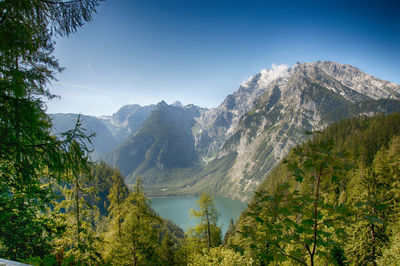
{"x":228,"y":150}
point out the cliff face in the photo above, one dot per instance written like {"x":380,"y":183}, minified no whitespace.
{"x":214,"y":126}
{"x":305,"y":97}
{"x":228,"y":150}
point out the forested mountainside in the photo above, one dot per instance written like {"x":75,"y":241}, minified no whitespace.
{"x":229,"y":150}
{"x":337,"y":192}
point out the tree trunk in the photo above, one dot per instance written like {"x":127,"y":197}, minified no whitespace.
{"x":372,"y":229}
{"x":78,"y":221}
{"x":316,"y":215}
{"x":208,"y":229}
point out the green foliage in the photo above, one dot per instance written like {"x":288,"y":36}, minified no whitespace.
{"x":391,"y":255}
{"x":357,"y":207}
{"x":229,"y":233}
{"x":133,"y":236}
{"x":375,"y":195}
{"x":206,"y":230}
{"x":109,"y":183}
{"x":28,"y":153}
{"x":35,"y":226}
{"x":76,"y":214}
{"x":218,"y":256}
{"x":295,"y":222}
{"x":38,"y":261}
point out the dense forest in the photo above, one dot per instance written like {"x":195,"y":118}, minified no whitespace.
{"x":334,"y":200}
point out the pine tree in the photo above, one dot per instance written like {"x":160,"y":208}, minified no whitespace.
{"x":374,"y":193}
{"x":207,"y":230}
{"x":138,"y":241}
{"x":28,"y":152}
{"x":229,"y":233}
{"x":117,"y":196}
{"x":78,"y":242}
{"x":167,"y":250}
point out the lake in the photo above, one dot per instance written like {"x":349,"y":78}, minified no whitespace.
{"x":177,"y":209}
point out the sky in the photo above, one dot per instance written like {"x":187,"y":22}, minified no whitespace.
{"x":199,"y":51}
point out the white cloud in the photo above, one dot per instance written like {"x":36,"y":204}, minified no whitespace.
{"x":268,"y":75}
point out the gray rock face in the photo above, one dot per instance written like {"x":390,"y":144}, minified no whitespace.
{"x":127,"y":120}
{"x":215,"y":126}
{"x":361,"y":82}
{"x":299,"y":101}
{"x":230,"y":149}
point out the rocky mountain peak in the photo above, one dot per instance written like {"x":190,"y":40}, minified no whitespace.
{"x":230,"y":149}
{"x":307,"y":98}
{"x":120,"y":116}
{"x":161,"y":104}
{"x":359,"y":81}
{"x":216,"y":125}
{"x":177,"y":104}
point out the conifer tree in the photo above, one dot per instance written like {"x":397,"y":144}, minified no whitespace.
{"x":78,"y":242}
{"x":138,"y":243}
{"x":117,"y":196}
{"x":374,"y":193}
{"x":28,"y":152}
{"x":229,"y":233}
{"x":167,"y":250}
{"x":207,"y":230}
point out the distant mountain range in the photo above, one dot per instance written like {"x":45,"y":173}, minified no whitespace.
{"x":228,"y":150}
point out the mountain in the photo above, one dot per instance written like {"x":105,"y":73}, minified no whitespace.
{"x":216,"y":125}
{"x":110,"y":130}
{"x":165,"y":141}
{"x":127,"y":120}
{"x":307,"y":97}
{"x":230,"y":149}
{"x":103,"y":142}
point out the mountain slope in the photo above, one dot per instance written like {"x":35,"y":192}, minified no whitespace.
{"x":110,"y":130}
{"x":164,"y":142}
{"x":103,"y":142}
{"x":372,"y":147}
{"x":229,"y":150}
{"x":127,"y":120}
{"x":216,"y":125}
{"x":307,"y":98}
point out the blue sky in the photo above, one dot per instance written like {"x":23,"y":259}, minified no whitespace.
{"x":199,"y":51}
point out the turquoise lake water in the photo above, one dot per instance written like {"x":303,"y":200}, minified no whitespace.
{"x":177,"y":209}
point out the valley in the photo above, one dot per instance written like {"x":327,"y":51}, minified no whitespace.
{"x":293,"y":164}
{"x":228,"y":150}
